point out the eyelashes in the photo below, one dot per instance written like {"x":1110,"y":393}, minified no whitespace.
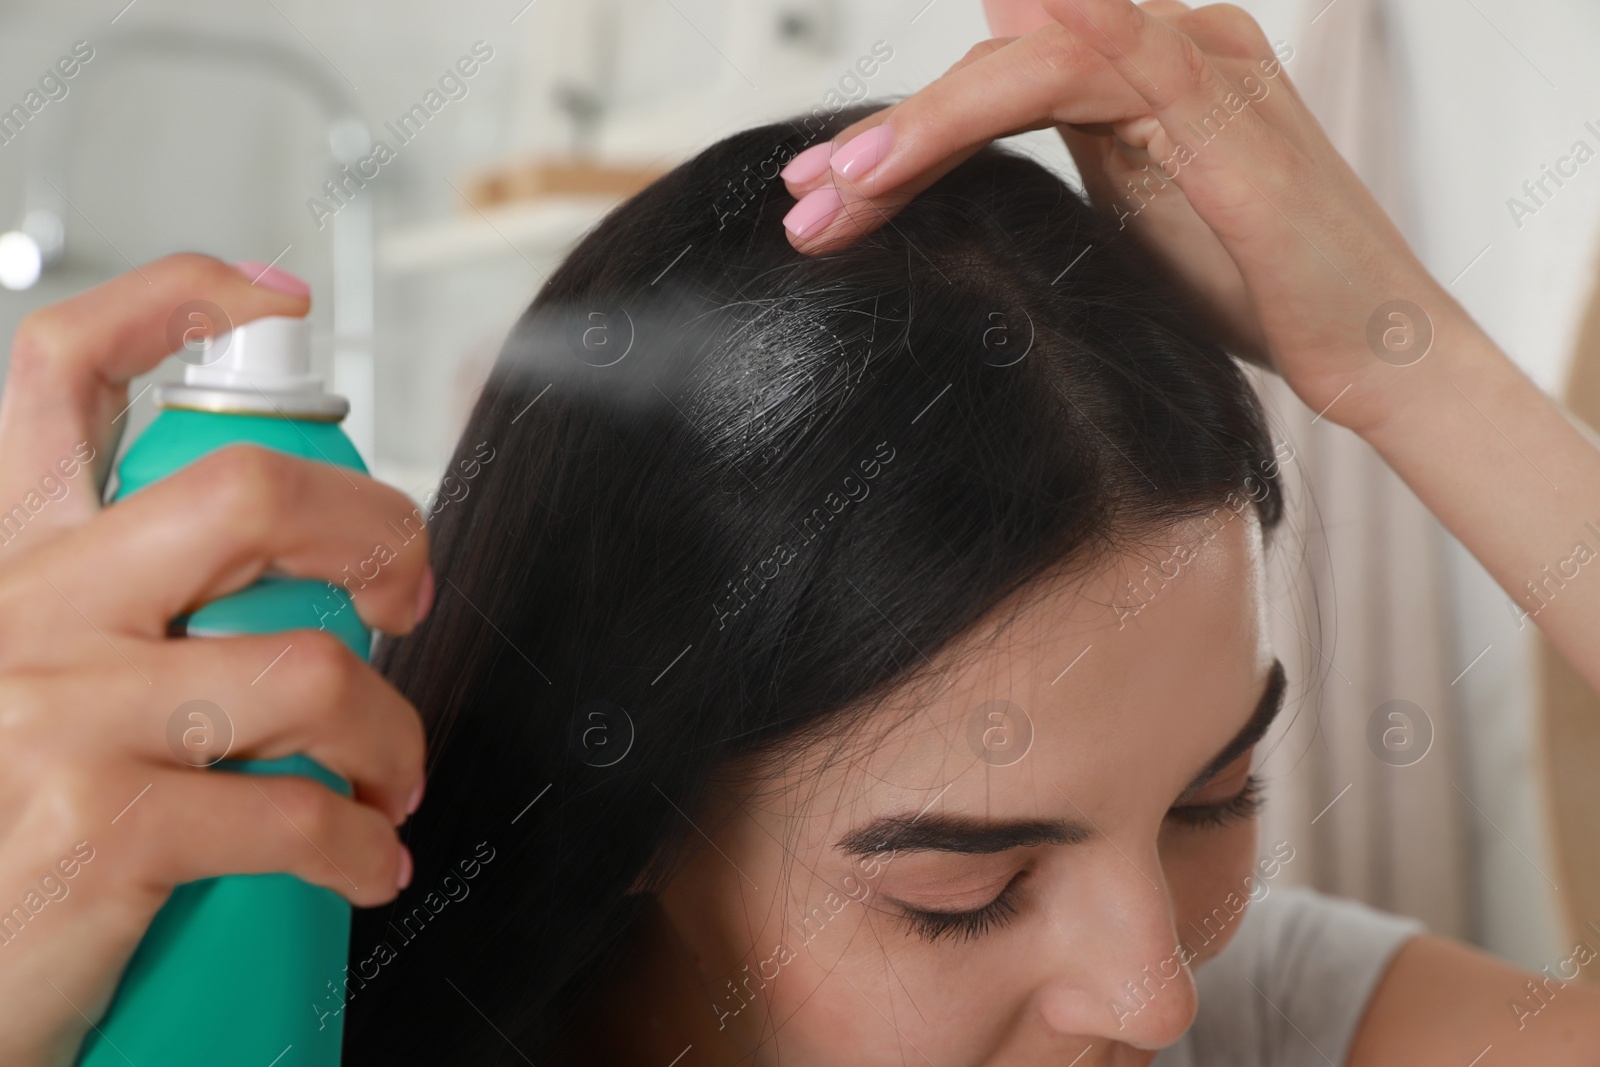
{"x":959,"y":926}
{"x":964,"y":925}
{"x":1245,"y":804}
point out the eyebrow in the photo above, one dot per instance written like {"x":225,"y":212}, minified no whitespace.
{"x":1267,"y":709}
{"x":969,"y":835}
{"x":965,"y":834}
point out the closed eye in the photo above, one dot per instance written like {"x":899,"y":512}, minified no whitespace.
{"x":1245,"y":804}
{"x":964,"y":925}
{"x":972,"y":923}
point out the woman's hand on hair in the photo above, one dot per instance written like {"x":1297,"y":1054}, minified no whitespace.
{"x":102,"y":809}
{"x":1263,"y":225}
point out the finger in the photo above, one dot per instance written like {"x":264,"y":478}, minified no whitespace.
{"x":1221,"y":30}
{"x":1044,"y":77}
{"x":220,"y":523}
{"x":71,"y":363}
{"x":1014,"y":17}
{"x":302,"y":691}
{"x":1172,"y":11}
{"x":1091,"y":143}
{"x":1035,"y":81}
{"x":810,"y":169}
{"x":191,"y":824}
{"x":1231,"y":186}
{"x":1166,"y":9}
{"x":834,"y":215}
{"x":1110,"y":155}
{"x":1161,"y":219}
{"x":1225,"y":32}
{"x":261,"y":696}
{"x":1018,"y":17}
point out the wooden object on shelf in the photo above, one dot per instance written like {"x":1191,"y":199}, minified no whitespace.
{"x":531,"y":179}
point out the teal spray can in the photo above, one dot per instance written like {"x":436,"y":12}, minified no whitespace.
{"x":242,"y":969}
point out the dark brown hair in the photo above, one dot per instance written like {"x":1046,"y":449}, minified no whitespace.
{"x":735,"y":492}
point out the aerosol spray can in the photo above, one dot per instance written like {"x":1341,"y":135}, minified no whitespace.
{"x":241,"y":969}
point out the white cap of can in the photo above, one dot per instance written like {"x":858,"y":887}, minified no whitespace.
{"x":271,"y":354}
{"x":260,"y":368}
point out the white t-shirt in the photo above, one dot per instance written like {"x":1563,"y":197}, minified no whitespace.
{"x":1313,"y":961}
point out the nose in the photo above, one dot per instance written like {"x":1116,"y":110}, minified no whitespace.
{"x":1118,"y":970}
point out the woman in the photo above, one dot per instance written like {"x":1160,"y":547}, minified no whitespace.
{"x":741,"y":582}
{"x":797,"y":689}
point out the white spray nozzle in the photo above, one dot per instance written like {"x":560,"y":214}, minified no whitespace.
{"x":271,"y":354}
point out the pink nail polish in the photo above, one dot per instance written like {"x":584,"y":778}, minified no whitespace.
{"x":269,"y":277}
{"x":811,"y":163}
{"x":406,"y":867}
{"x":863,"y":152}
{"x":813,"y":211}
{"x":425,"y":595}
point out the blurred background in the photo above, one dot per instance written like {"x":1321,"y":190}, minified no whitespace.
{"x":425,"y":165}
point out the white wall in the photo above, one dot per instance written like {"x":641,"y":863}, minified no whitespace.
{"x":1503,"y":89}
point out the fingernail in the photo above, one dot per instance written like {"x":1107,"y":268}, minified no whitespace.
{"x":405,"y":867}
{"x":813,"y":211}
{"x":863,"y":152}
{"x":270,"y":277}
{"x":415,"y":800}
{"x":425,"y":594}
{"x":808,"y":164}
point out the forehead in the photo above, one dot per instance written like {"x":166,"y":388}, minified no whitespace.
{"x":1086,"y":695}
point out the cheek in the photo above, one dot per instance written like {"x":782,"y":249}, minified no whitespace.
{"x":709,"y":907}
{"x":1211,"y":874}
{"x":834,"y":997}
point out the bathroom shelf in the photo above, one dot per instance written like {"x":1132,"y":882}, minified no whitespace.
{"x":541,"y":229}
